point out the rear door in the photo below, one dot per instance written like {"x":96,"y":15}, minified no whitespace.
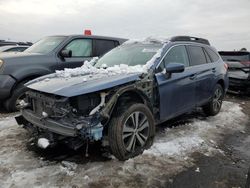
{"x":177,"y":93}
{"x":82,"y":50}
{"x":205,"y":72}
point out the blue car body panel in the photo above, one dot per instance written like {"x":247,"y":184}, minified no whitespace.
{"x":189,"y":89}
{"x":79,"y":85}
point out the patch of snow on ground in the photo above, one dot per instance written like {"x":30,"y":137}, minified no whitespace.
{"x":170,"y":154}
{"x":197,"y":135}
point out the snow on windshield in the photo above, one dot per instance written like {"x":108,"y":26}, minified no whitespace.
{"x":88,"y":68}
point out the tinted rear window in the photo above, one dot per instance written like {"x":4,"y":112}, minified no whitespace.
{"x":197,"y":55}
{"x":103,"y":46}
{"x":235,"y":56}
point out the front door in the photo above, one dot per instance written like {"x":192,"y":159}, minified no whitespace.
{"x":177,"y":93}
{"x":81,"y":51}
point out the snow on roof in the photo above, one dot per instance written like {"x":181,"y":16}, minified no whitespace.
{"x":147,"y":40}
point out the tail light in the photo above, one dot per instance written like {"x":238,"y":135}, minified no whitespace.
{"x":87,"y":32}
{"x":225,"y":66}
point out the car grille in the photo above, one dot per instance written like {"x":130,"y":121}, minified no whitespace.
{"x":51,"y":105}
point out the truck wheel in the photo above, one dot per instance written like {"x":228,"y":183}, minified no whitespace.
{"x":213,"y":107}
{"x":131,"y":131}
{"x":11,"y":104}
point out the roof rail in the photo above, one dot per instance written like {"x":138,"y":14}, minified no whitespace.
{"x":190,"y":39}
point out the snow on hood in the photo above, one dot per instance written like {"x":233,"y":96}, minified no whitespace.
{"x":74,"y":83}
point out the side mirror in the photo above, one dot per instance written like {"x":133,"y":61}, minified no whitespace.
{"x":174,"y":68}
{"x":66,"y":53}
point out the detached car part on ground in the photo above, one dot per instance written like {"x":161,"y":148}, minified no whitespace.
{"x":125,"y":94}
{"x":44,"y":57}
{"x":238,"y":70}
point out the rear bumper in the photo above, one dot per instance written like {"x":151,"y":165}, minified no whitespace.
{"x":6,"y":85}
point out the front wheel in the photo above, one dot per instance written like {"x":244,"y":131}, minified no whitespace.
{"x":214,"y":105}
{"x":11,"y":104}
{"x":131,"y":131}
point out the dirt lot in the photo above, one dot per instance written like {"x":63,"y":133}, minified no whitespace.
{"x":190,"y":151}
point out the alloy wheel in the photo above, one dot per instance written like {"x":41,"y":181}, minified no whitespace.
{"x":135,"y":131}
{"x":217,"y":100}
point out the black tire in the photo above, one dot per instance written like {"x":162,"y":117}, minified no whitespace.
{"x":121,"y":122}
{"x":213,"y":107}
{"x":18,"y":93}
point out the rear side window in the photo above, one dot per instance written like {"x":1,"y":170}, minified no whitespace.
{"x":212,"y":55}
{"x":80,"y":47}
{"x":197,"y":56}
{"x":103,"y":46}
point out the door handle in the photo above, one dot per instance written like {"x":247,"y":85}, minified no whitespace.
{"x":193,"y":76}
{"x":213,"y":70}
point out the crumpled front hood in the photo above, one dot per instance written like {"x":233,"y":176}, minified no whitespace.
{"x":79,"y":85}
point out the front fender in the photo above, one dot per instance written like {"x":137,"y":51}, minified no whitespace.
{"x":21,"y":74}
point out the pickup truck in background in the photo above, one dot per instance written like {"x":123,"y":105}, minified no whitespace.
{"x":44,"y":57}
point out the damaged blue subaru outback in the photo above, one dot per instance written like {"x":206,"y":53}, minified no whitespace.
{"x":120,"y":98}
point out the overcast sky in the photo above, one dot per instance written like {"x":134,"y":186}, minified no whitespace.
{"x":226,"y":23}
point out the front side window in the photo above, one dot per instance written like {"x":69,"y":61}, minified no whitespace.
{"x":197,"y":55}
{"x":80,"y":47}
{"x":177,"y":54}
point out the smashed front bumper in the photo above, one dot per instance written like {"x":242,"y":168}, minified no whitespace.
{"x":51,"y":114}
{"x":88,"y":128}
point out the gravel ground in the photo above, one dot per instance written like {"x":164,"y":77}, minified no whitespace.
{"x":190,"y":151}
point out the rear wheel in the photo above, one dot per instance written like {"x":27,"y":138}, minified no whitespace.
{"x":213,"y":107}
{"x":131,"y":131}
{"x":18,"y":94}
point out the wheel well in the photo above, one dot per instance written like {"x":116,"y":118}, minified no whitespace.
{"x":129,"y":97}
{"x":24,"y":80}
{"x":221,"y":82}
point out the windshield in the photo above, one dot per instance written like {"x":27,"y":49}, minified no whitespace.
{"x":45,"y":45}
{"x":131,"y":55}
{"x":235,"y":56}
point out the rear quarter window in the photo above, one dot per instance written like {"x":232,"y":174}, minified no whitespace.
{"x":197,"y":55}
{"x":214,"y":57}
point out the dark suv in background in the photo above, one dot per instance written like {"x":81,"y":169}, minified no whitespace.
{"x":44,"y":57}
{"x":238,"y":70}
{"x":125,"y":94}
